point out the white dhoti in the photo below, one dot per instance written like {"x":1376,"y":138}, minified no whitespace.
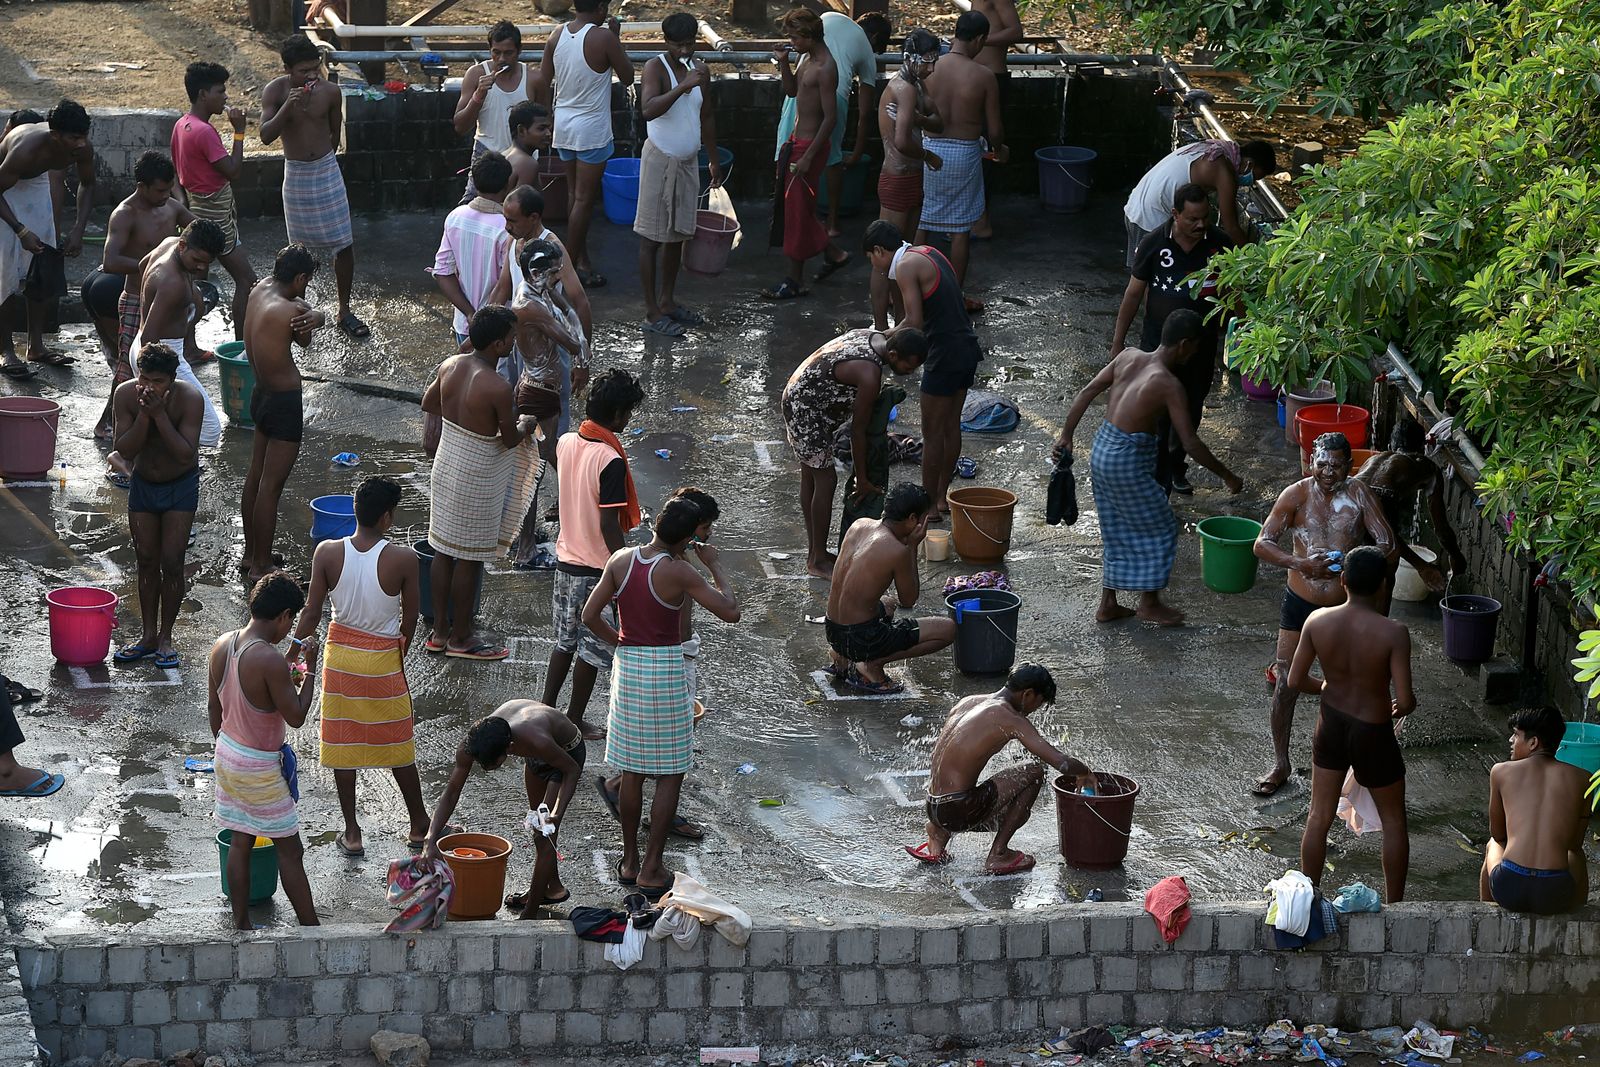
{"x":30,"y":201}
{"x":210,"y":422}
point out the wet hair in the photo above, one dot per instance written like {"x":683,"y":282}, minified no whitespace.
{"x":538,"y":256}
{"x":704,"y":501}
{"x":1365,"y":568}
{"x":801,"y":22}
{"x":680,"y":27}
{"x":972,"y":25}
{"x":920,"y":42}
{"x":587,"y":6}
{"x":881,"y":233}
{"x":490,"y":324}
{"x":297,"y":49}
{"x":491,"y":173}
{"x":529,"y":200}
{"x":23,"y":116}
{"x":908,"y":500}
{"x":68,"y":116}
{"x":198,"y":77}
{"x":907,"y":341}
{"x":375,"y":498}
{"x":878,"y":28}
{"x":1263,"y":160}
{"x":1189,"y":193}
{"x":275,"y":594}
{"x":505,"y":30}
{"x":1026,"y":676}
{"x":158,"y":357}
{"x":1182,"y":325}
{"x":154,"y":166}
{"x":612,"y":394}
{"x":1544,"y":725}
{"x":206,"y":236}
{"x":489,"y":740}
{"x":677,"y":521}
{"x":1332,"y":441}
{"x":293,"y":261}
{"x":525,"y":113}
{"x":1408,"y":436}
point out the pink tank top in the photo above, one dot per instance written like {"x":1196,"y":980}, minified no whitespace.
{"x":247,"y":724}
{"x":644,"y":619}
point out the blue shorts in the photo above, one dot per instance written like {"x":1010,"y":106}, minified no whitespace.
{"x":592,"y":155}
{"x":157,"y":498}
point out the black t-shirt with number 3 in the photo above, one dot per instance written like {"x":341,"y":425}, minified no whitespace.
{"x":1163,"y":265}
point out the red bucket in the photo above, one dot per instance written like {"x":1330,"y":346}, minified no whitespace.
{"x":707,"y":252}
{"x":27,"y":436}
{"x":1314,"y":420}
{"x":81,"y":621}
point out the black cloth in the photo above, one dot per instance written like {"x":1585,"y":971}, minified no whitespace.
{"x":953,"y":352}
{"x":863,"y":642}
{"x":876,"y":461}
{"x":1294,"y":611}
{"x":1061,"y":501}
{"x":1343,"y":742}
{"x":779,"y":183}
{"x":280,"y":416}
{"x":542,"y":770}
{"x":967,"y":809}
{"x":598,"y":924}
{"x":1196,"y":377}
{"x":10,"y":730}
{"x":156,"y":498}
{"x":1531,"y":891}
{"x":101,"y":293}
{"x":578,"y":569}
{"x":47,"y":276}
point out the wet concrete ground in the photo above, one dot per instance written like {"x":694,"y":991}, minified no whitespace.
{"x":128,"y":842}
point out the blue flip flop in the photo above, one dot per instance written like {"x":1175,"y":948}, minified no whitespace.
{"x":967,"y":467}
{"x":47,"y":785}
{"x":169,"y":661}
{"x":132,"y":654}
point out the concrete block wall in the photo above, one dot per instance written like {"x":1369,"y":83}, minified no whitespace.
{"x":120,"y":136}
{"x":493,"y":987}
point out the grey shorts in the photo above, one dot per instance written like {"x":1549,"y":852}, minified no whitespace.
{"x":1135,"y":235}
{"x":567,"y":597}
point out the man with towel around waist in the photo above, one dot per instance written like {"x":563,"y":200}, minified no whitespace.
{"x":484,"y":472}
{"x":366,"y":701}
{"x":169,"y":303}
{"x":1136,"y":521}
{"x":27,"y":156}
{"x":307,"y":111}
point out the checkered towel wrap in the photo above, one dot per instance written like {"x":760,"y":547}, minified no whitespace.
{"x":651,"y":729}
{"x":316,"y":211}
{"x":952,"y":196}
{"x":1137,"y":527}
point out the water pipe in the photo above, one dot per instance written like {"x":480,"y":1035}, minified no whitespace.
{"x":1261,"y":188}
{"x":400,"y":55}
{"x":347,"y":31}
{"x":713,"y":38}
{"x":1468,"y":449}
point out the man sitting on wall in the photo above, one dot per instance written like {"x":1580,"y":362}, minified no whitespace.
{"x":1534,"y":860}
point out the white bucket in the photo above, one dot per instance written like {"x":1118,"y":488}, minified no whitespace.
{"x":936,"y":546}
{"x":1408,"y":584}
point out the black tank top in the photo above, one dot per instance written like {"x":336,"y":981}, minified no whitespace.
{"x":944,"y":312}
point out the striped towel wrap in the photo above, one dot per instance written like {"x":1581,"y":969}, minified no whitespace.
{"x":952,"y":196}
{"x":127,"y":330}
{"x":252,"y":794}
{"x":651,"y":729}
{"x":316,"y":211}
{"x":366,"y":703}
{"x":218,"y":207}
{"x":480,"y":492}
{"x":1137,"y":526}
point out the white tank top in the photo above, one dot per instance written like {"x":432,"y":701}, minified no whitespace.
{"x":677,"y":132}
{"x":583,"y":96}
{"x":358,"y":598}
{"x":494,"y":120}
{"x":1150,"y":203}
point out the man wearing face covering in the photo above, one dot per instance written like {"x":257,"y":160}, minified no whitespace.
{"x":1218,"y":167}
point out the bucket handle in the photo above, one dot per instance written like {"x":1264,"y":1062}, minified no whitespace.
{"x":973,"y":522}
{"x":1062,"y":167}
{"x":726,"y":174}
{"x":1091,"y":809}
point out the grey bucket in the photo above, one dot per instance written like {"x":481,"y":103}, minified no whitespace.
{"x":986,"y":636}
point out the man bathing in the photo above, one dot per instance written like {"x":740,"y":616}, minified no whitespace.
{"x":1362,"y":655}
{"x":905,"y":111}
{"x":1395,"y":478}
{"x":169,"y":303}
{"x":1538,"y":816}
{"x":1327,"y":515}
{"x":862,"y":629}
{"x":532,"y":128}
{"x":978,"y":728}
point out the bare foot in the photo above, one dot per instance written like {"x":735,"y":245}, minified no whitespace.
{"x":1161,"y":615}
{"x":821,"y":568}
{"x":1011,"y":861}
{"x":1112,"y":612}
{"x":590,"y":732}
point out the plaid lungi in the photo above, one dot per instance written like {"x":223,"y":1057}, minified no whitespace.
{"x":316,"y":211}
{"x":218,"y":207}
{"x":1137,"y":527}
{"x":252,"y":794}
{"x":952,"y":196}
{"x":651,"y":729}
{"x":366,"y":703}
{"x":127,"y":330}
{"x":480,"y":491}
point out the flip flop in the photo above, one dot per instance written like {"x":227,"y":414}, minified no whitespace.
{"x":1265,"y":788}
{"x":168,"y":661}
{"x":784,"y":290}
{"x":687,"y":316}
{"x":21,"y":694}
{"x":921,"y":854}
{"x":666,"y":326}
{"x":622,"y":879}
{"x":482,"y":651}
{"x":432,"y":649}
{"x":887,"y":687}
{"x":54,"y":359}
{"x":612,"y":803}
{"x":202,"y":357}
{"x":132,"y":654}
{"x":515,"y":901}
{"x":653,"y":892}
{"x":18,"y":371}
{"x":830,"y":266}
{"x":354,"y":326}
{"x":346,"y":851}
{"x":414,"y":844}
{"x":681,"y":827}
{"x":47,"y":785}
{"x":838,"y":674}
{"x":591,"y":279}
{"x":1023,"y":862}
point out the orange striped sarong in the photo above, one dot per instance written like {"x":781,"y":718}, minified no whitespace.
{"x":366,"y":703}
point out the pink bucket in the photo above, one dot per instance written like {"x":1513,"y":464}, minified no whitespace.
{"x":81,"y":620}
{"x":707,"y":252}
{"x":27,"y":436}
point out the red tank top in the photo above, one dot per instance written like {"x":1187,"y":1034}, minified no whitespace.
{"x":644,"y":619}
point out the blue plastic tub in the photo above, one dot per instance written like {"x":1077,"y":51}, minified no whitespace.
{"x":1580,"y":746}
{"x":1066,"y":174}
{"x":724,"y":157}
{"x":332,"y":517}
{"x":619,"y":190}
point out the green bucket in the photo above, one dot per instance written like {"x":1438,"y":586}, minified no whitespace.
{"x":1580,"y":746}
{"x":238,"y":381}
{"x":263,"y":868}
{"x":1227,"y":552}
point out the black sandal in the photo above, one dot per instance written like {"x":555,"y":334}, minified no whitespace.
{"x":829,"y":266}
{"x":21,"y":694}
{"x":784,"y":290}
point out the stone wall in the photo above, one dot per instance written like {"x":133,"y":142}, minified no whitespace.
{"x":490,"y":987}
{"x":120,"y":136}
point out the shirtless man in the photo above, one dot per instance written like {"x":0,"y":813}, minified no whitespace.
{"x":28,"y":155}
{"x":1362,"y":655}
{"x":1395,"y":478}
{"x":546,"y":324}
{"x":905,"y":111}
{"x":967,"y":96}
{"x":276,"y":319}
{"x":1327,"y":515}
{"x":531,"y":129}
{"x":1538,"y":816}
{"x":158,"y":430}
{"x":552,"y":753}
{"x":978,"y":728}
{"x":1136,"y":521}
{"x":306,"y":110}
{"x":863,"y":632}
{"x":1005,"y":30}
{"x":169,"y":302}
{"x":813,"y":85}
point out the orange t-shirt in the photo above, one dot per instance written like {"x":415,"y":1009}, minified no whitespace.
{"x":593,"y":477}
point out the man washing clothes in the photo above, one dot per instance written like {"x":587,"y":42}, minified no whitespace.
{"x":1538,"y":817}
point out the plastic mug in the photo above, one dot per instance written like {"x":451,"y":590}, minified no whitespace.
{"x":936,"y":546}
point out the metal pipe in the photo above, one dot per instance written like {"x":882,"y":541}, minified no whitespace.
{"x":1262,"y":188}
{"x":713,"y":38}
{"x":347,"y":31}
{"x":1040,"y":59}
{"x":1410,"y":374}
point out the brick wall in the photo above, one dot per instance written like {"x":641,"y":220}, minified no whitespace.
{"x":533,"y":986}
{"x":120,"y":136}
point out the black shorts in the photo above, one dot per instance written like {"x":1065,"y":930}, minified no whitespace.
{"x":951,"y":370}
{"x":863,"y":642}
{"x":967,"y":809}
{"x":280,"y":416}
{"x":543,"y":771}
{"x":1531,"y":891}
{"x":1343,"y":742}
{"x":101,"y":292}
{"x":157,"y":498}
{"x":1294,"y":611}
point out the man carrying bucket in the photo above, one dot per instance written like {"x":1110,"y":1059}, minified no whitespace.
{"x":977,"y":729}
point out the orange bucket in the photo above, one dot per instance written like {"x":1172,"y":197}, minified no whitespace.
{"x":480,"y":879}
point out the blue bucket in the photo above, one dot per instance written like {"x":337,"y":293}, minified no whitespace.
{"x":331,"y":517}
{"x":619,"y":190}
{"x":1066,"y":173}
{"x":1580,"y":746}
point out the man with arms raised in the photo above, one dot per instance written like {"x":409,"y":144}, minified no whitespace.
{"x":1538,"y":816}
{"x":206,"y":171}
{"x":531,"y":130}
{"x":1325,"y":515}
{"x":1363,"y":655}
{"x":1137,"y":527}
{"x":862,"y":628}
{"x":277,"y":319}
{"x":977,"y":729}
{"x":169,"y":302}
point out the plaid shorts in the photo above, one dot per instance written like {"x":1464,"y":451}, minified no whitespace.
{"x":567,"y":597}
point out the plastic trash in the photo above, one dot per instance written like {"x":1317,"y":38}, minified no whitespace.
{"x":1425,"y":1040}
{"x":747,"y":768}
{"x":637,"y":431}
{"x":682,"y":408}
{"x":967,"y":467}
{"x":664,"y":453}
{"x":912,"y":720}
{"x":198,"y":765}
{"x":894,"y":413}
{"x":1357,"y":896}
{"x":779,"y":555}
{"x":347,"y":459}
{"x":1094,"y":896}
{"x":770,"y":802}
{"x":1530,"y":1056}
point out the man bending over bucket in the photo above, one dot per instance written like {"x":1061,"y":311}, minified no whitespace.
{"x":862,"y":629}
{"x":978,"y":728}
